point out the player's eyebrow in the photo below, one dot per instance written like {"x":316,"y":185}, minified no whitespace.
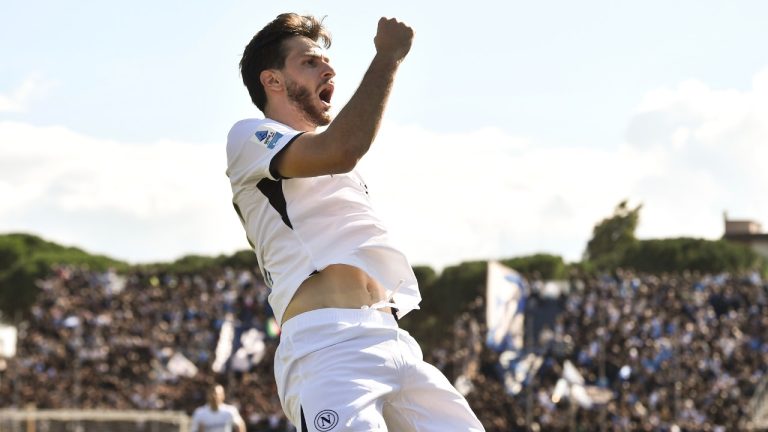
{"x":317,"y":54}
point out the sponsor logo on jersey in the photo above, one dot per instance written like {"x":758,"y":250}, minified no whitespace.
{"x":269,"y":137}
{"x":326,"y":420}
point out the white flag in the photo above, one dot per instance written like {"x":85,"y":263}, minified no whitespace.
{"x":505,"y":308}
{"x":8,"y":335}
{"x":571,"y":374}
{"x":181,"y":366}
{"x":224,"y":346}
{"x":571,"y":385}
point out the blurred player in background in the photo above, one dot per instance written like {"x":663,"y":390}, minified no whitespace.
{"x":337,"y":283}
{"x":216,"y":416}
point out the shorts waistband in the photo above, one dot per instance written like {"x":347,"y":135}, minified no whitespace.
{"x":338,"y":316}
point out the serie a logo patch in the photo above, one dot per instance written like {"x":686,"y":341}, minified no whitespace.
{"x":268,"y":136}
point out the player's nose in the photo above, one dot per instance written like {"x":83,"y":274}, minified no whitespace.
{"x":328,"y":71}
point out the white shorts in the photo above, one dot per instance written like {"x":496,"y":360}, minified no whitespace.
{"x":355,"y":370}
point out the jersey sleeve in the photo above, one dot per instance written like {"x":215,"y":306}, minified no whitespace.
{"x":251,"y":148}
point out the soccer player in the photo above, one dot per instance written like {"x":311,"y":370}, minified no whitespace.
{"x":216,"y":416}
{"x":337,"y":283}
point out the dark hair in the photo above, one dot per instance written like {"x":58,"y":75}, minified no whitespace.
{"x":265,"y":50}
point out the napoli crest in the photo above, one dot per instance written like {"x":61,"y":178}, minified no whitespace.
{"x":326,"y":420}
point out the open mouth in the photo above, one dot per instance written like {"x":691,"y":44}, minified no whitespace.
{"x":326,"y":94}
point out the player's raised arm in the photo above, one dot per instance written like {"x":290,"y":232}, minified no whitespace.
{"x":349,"y":136}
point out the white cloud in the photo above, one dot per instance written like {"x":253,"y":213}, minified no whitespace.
{"x":136,"y":201}
{"x":691,"y":152}
{"x":452,"y":197}
{"x":712,"y":153}
{"x":448,"y":197}
{"x":18,"y":100}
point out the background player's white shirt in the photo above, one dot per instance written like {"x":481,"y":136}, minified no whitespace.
{"x":300,"y":226}
{"x":221,"y":420}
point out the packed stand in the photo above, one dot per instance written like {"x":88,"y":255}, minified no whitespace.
{"x":667,"y":353}
{"x":144,"y":341}
{"x":673,"y":352}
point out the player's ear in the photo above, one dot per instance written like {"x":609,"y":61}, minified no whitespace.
{"x":272,"y":79}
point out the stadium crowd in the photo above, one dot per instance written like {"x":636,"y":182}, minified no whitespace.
{"x":96,"y":340}
{"x":673,"y":352}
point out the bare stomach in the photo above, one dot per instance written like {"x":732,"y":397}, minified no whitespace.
{"x":336,"y":286}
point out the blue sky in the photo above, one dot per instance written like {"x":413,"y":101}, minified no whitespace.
{"x":512,"y":129}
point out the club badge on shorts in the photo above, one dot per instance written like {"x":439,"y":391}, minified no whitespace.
{"x":326,"y":420}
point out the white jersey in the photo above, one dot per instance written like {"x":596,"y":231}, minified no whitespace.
{"x":300,"y":226}
{"x":221,"y":420}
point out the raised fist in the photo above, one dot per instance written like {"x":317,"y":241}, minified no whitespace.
{"x":393,"y":38}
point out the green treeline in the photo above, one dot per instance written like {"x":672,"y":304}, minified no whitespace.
{"x":25,"y":258}
{"x":614,"y":245}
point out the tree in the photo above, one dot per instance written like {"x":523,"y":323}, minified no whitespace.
{"x":543,"y":266}
{"x":681,"y":254}
{"x":25,"y":258}
{"x":613,"y":236}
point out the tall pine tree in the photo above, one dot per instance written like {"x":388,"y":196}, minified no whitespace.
{"x":612,"y":236}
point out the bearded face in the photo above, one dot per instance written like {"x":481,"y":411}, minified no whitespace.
{"x":304,"y":100}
